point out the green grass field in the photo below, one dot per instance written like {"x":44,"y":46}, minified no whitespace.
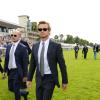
{"x":83,"y":75}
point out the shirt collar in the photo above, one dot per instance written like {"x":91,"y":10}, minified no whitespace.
{"x":46,"y":41}
{"x":16,"y":43}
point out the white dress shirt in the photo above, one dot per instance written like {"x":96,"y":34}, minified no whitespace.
{"x":46,"y":65}
{"x":13,"y":62}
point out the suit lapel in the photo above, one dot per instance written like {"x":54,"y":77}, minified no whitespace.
{"x":17,"y":48}
{"x":36,"y":50}
{"x":8,"y":50}
{"x":49,"y":48}
{"x":49,"y":52}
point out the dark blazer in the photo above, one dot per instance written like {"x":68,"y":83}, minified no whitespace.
{"x":21,"y":59}
{"x":76,"y":48}
{"x":85,"y":49}
{"x":54,"y":56}
{"x":26,"y":44}
{"x":95,"y":48}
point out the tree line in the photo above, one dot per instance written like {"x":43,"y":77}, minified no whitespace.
{"x":72,"y":40}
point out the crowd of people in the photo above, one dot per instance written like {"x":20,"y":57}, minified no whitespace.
{"x":85,"y":51}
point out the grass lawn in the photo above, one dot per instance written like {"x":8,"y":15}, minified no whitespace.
{"x":83,"y":75}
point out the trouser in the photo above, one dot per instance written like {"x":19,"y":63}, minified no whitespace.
{"x":95,"y":55}
{"x":14,"y":83}
{"x":85,"y":55}
{"x":23,"y":90}
{"x":46,"y":88}
{"x":76,"y":55}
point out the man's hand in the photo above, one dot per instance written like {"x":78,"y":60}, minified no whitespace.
{"x":29,"y":84}
{"x":4,"y":75}
{"x":64,"y":86}
{"x":24,"y":79}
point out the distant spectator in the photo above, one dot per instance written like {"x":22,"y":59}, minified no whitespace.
{"x":27,"y":45}
{"x":97,"y":48}
{"x":76,"y":49}
{"x":1,"y":69}
{"x":94,"y":50}
{"x":85,"y":51}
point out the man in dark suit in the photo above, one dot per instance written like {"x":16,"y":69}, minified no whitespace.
{"x":85,"y":51}
{"x":27,"y":45}
{"x":23,"y":89}
{"x":95,"y":51}
{"x":16,"y":64}
{"x":44,"y":58}
{"x":76,"y":49}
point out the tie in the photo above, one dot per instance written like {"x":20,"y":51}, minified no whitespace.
{"x":11,"y":57}
{"x":42,"y":60}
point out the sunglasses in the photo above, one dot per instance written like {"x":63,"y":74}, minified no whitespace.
{"x":13,"y":35}
{"x":42,"y":29}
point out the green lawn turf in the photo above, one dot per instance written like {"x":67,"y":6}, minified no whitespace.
{"x":83,"y":75}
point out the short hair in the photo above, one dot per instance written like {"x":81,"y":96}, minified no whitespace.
{"x":44,"y":22}
{"x":16,"y":31}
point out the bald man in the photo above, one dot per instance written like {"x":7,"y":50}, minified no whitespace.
{"x":16,"y":64}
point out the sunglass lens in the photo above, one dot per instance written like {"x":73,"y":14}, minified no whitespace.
{"x":13,"y":35}
{"x":45,"y":29}
{"x":40,"y":29}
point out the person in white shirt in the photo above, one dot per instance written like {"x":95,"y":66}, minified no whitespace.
{"x":16,"y":64}
{"x":44,"y":58}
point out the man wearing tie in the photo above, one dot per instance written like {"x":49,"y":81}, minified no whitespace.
{"x":44,"y":58}
{"x":16,"y":64}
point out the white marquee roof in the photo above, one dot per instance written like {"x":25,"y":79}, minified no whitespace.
{"x":9,"y":25}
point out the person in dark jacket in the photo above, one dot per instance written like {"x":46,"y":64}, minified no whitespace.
{"x":85,"y":51}
{"x":95,"y":50}
{"x":16,"y":64}
{"x":76,"y":49}
{"x":27,"y":45}
{"x":44,"y":58}
{"x":24,"y":92}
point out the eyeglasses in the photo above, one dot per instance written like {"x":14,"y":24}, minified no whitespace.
{"x":12,"y":35}
{"x":42,"y":29}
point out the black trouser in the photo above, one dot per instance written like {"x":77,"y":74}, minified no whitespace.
{"x":76,"y":55}
{"x":85,"y":55}
{"x":46,"y":88}
{"x":14,"y":83}
{"x":23,"y":90}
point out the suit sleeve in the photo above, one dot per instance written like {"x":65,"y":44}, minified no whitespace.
{"x":27,"y":45}
{"x":28,"y":48}
{"x":25,"y":61}
{"x":32,"y":66}
{"x":62,"y":65}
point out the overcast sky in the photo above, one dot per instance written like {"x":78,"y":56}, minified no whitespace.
{"x":75,"y":17}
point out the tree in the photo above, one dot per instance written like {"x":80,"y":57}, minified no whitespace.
{"x":56,"y":37}
{"x":34,"y":26}
{"x":69,"y":39}
{"x":76,"y":39}
{"x":61,"y":37}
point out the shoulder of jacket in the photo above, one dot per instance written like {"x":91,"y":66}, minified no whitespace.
{"x":22,"y":45}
